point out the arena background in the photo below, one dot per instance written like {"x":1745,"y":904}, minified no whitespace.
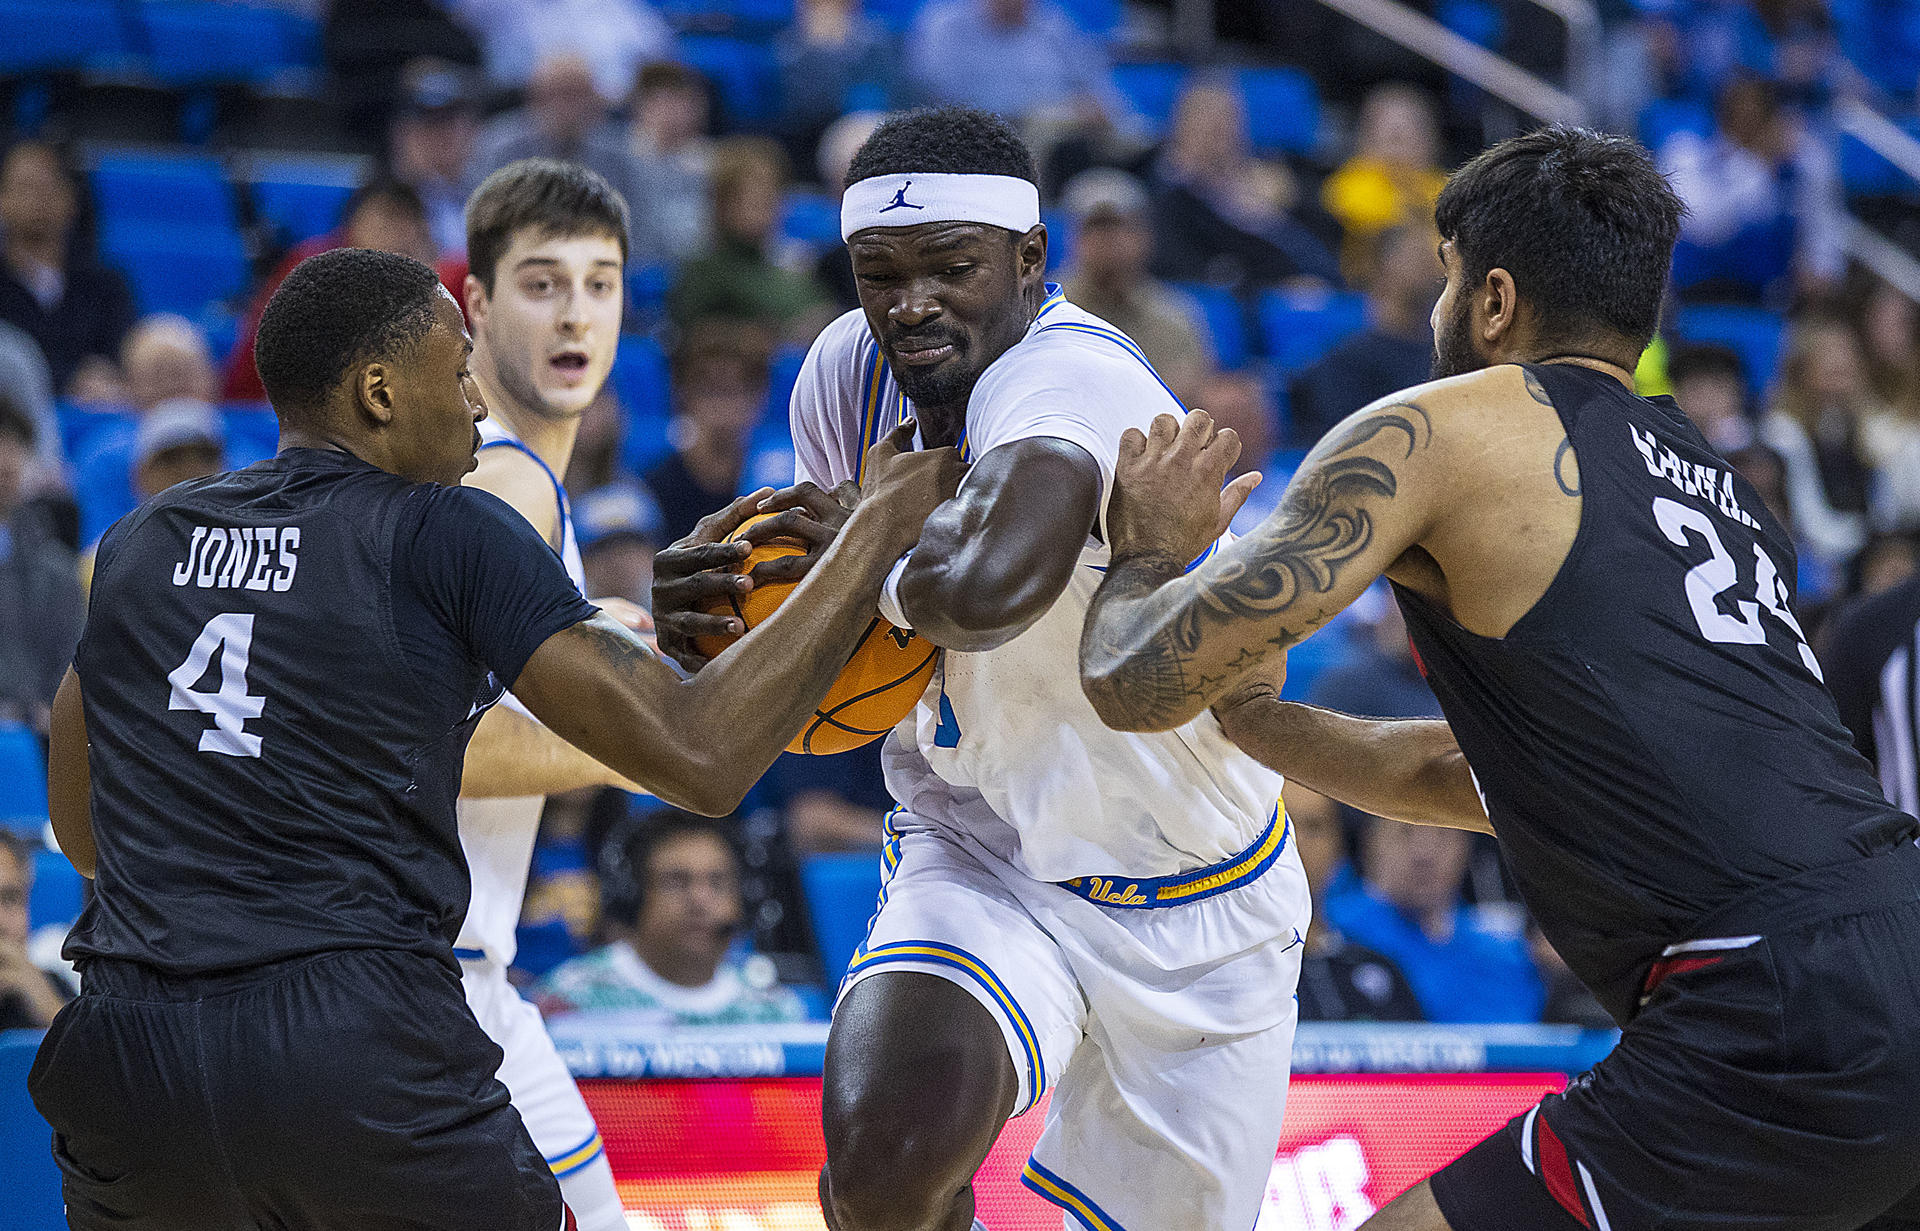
{"x":1244,"y":185}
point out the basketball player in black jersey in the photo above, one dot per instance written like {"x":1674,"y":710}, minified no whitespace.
{"x":256,"y":757}
{"x":1605,"y":610}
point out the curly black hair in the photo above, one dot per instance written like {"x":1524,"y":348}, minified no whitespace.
{"x":944,"y":140}
{"x":336,"y":309}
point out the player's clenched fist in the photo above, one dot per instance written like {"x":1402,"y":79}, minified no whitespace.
{"x":1167,"y":495}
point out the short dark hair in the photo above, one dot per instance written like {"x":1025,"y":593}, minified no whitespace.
{"x":944,"y":140}
{"x":1583,"y":221}
{"x":626,"y":863}
{"x":558,"y":198}
{"x":16,"y":422}
{"x":667,"y":75}
{"x":342,"y":307}
{"x":1689,"y":362}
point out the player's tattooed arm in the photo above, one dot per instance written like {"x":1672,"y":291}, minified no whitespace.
{"x":1161,"y":644}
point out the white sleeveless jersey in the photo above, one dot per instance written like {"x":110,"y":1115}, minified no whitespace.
{"x":498,"y":834}
{"x":1004,"y":745}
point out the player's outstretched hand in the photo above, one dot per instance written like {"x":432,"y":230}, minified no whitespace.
{"x":1168,"y":497}
{"x":804,"y":513}
{"x":910,"y":484}
{"x":696,"y":573}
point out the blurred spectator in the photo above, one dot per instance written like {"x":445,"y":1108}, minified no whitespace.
{"x":565,"y":117}
{"x":1889,"y":327}
{"x":40,"y":603}
{"x":1816,"y":424}
{"x":1790,"y":42}
{"x":1112,"y":248}
{"x":612,"y":38}
{"x":1767,"y":471}
{"x":1395,"y":349}
{"x":668,"y":137}
{"x":1710,"y":384}
{"x":1408,"y":907}
{"x":166,"y":357}
{"x":1220,"y":214}
{"x":24,"y":377}
{"x":382,"y":213}
{"x":596,"y":447}
{"x":1393,"y":177}
{"x":177,"y":441}
{"x":719,"y":388}
{"x":618,"y":527}
{"x":1569,"y":1002}
{"x":736,"y":278}
{"x":367,"y":44}
{"x":29,"y":996}
{"x":1870,"y":658}
{"x":832,"y":803}
{"x":1380,"y":677}
{"x":76,"y":310}
{"x":1040,"y":61}
{"x":842,"y":140}
{"x":432,"y":142}
{"x":672,"y":908}
{"x":1339,"y":981}
{"x":832,"y":58}
{"x":1763,"y":200}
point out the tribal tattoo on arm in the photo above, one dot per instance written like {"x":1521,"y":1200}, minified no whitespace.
{"x":1159,"y":647}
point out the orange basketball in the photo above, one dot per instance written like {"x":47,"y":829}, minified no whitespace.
{"x":877,"y":688}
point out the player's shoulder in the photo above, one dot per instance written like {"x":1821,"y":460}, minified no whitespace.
{"x":1071,"y":347}
{"x":525,"y":484}
{"x":1463,"y":405}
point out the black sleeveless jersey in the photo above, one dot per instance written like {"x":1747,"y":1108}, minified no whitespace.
{"x":281,"y":669}
{"x":1652,"y":740}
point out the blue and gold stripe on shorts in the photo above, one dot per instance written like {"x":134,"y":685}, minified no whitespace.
{"x":567,"y":1162}
{"x":938,"y":953}
{"x":1067,"y":1197}
{"x":1230,"y":873}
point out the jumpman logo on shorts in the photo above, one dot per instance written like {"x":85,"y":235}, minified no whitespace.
{"x":900,"y":200}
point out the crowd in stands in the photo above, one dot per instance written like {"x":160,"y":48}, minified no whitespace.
{"x":1264,"y":234}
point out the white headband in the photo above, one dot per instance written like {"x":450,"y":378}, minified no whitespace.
{"x":911,"y":198}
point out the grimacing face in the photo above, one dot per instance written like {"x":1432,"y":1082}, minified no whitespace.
{"x":546,"y":335}
{"x":945,"y":299}
{"x":1453,"y":349}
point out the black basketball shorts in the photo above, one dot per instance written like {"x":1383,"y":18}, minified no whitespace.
{"x":351,"y":1089}
{"x":1769,"y":1081}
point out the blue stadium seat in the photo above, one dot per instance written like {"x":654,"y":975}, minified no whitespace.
{"x":1663,"y":117}
{"x":759,"y":16}
{"x":1754,"y":334}
{"x":30,"y":1199}
{"x":1299,"y":326}
{"x":78,"y":424}
{"x":841,"y":891}
{"x":1225,"y":322}
{"x":745,"y":74}
{"x":177,"y":266}
{"x":57,"y":890}
{"x":812,"y":218}
{"x":61,"y":34}
{"x":1473,"y":20}
{"x":221,"y":40}
{"x":1866,"y":174}
{"x":1152,"y":88}
{"x":102,"y":478}
{"x":782,"y":374}
{"x":23,"y":777}
{"x":253,"y":434}
{"x":139,"y":187}
{"x":539,"y":947}
{"x":640,"y":381}
{"x":1283,"y":109}
{"x":303,"y":197}
{"x":1096,"y":17}
{"x":1059,"y":240}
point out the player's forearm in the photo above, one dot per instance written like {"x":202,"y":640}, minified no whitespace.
{"x":959,"y":595}
{"x":511,"y":755}
{"x":1405,"y":769}
{"x":69,"y":782}
{"x":1143,"y":663}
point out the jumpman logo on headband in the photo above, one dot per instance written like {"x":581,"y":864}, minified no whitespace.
{"x":900,"y":200}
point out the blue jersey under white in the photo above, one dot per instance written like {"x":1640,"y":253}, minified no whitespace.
{"x":1004,"y":746}
{"x":498,"y":834}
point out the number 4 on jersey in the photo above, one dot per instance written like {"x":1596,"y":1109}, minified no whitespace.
{"x":231,"y":635}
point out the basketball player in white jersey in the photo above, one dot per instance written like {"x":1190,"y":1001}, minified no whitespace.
{"x":1113,"y":920}
{"x":546,"y":243}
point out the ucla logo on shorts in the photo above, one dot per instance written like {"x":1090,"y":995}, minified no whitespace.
{"x":1101,"y":889}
